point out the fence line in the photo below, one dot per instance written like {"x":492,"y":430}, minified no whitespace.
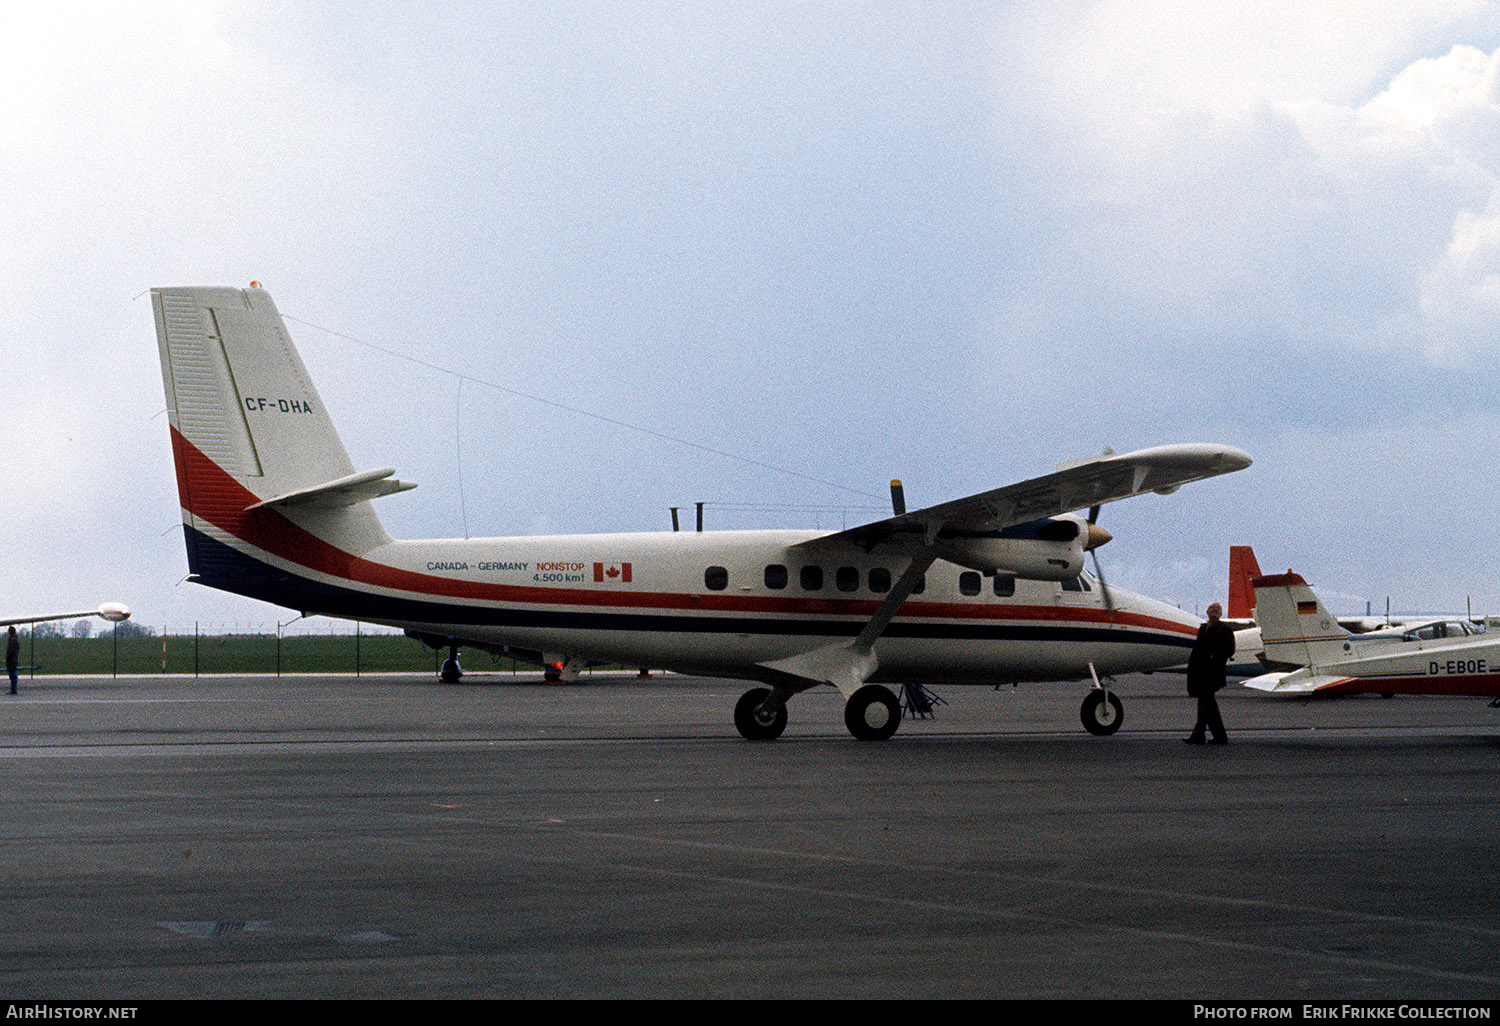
{"x":198,"y":651}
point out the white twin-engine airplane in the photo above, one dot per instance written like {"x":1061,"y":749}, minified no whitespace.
{"x":1314,"y":654}
{"x":988,"y":588}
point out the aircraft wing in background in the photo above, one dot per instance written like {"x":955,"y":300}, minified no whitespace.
{"x":112,"y":611}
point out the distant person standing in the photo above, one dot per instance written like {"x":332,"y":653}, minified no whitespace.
{"x":12,"y":656}
{"x":1205,"y":675}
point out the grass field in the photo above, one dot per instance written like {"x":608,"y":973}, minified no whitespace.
{"x":242,"y":653}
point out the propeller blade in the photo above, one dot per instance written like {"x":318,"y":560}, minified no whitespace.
{"x":898,"y":498}
{"x":1109,"y":602}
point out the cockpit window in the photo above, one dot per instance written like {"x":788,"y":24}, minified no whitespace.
{"x":1446,"y":629}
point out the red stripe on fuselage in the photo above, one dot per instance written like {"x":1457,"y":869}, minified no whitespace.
{"x":211,"y":494}
{"x":1479,"y":685}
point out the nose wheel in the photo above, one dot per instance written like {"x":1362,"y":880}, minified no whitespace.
{"x":1102,"y":712}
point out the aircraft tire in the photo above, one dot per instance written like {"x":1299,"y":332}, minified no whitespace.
{"x":753,"y":727}
{"x":872,"y":713}
{"x":1099,"y":717}
{"x":451,"y":672}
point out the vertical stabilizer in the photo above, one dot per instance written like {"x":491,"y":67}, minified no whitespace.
{"x":249,"y":431}
{"x":1294,"y":627}
{"x":1242,"y":570}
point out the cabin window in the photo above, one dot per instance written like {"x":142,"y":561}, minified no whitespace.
{"x":846,"y":578}
{"x":1005,"y":585}
{"x":716,"y":578}
{"x":968,"y":583}
{"x":776,"y":577}
{"x":880,"y":579}
{"x":1071,"y":584}
{"x":812,"y":578}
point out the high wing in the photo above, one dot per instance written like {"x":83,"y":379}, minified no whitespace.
{"x":1077,"y":485}
{"x":112,"y":611}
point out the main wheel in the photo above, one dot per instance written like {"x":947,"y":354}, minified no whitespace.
{"x":872,"y":713}
{"x":1100,"y":716}
{"x":753,"y":723}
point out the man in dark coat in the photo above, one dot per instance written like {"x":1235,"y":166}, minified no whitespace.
{"x":12,"y":656}
{"x":1205,"y":675}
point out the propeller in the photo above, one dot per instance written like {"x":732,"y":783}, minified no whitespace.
{"x":1109,"y":602}
{"x":1097,"y":537}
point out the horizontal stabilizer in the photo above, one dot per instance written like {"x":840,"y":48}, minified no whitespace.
{"x":1296,"y":682}
{"x":346,"y":491}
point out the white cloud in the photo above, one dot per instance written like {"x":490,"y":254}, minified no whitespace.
{"x":1430,"y":144}
{"x":1291,"y":172}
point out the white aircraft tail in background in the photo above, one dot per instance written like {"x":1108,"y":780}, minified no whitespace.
{"x":1295,"y":629}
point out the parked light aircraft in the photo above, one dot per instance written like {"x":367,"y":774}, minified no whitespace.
{"x":112,"y":611}
{"x":1313,"y":654}
{"x":273,"y":508}
{"x":1249,"y":656}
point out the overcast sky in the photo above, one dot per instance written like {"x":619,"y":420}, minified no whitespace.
{"x":952,"y":243}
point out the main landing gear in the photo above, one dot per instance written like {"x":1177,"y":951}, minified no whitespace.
{"x":871,"y":714}
{"x":758,"y":719}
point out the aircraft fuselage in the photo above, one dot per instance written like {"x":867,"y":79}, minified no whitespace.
{"x":717,"y":603}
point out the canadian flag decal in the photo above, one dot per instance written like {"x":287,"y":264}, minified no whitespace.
{"x":611,"y":573}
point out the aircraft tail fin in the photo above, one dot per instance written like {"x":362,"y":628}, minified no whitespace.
{"x":260,"y":469}
{"x":1294,"y":627}
{"x":1242,"y":570}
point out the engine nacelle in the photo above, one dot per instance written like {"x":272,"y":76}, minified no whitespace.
{"x":1043,"y":550}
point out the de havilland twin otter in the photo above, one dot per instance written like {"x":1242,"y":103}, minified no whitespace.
{"x":986,"y":589}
